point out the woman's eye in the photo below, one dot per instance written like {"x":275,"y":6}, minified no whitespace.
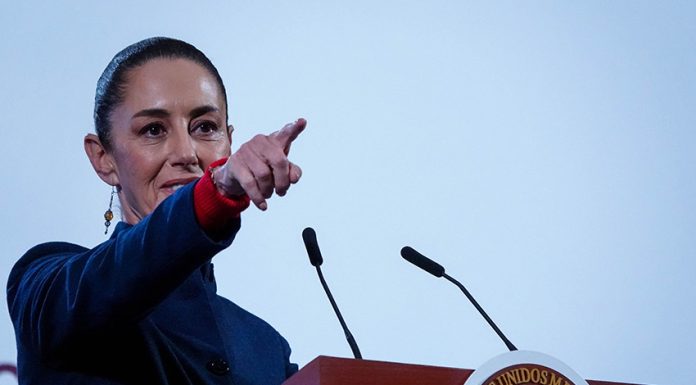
{"x":206,"y":127}
{"x":152,"y":130}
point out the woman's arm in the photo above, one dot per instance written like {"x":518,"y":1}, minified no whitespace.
{"x":59,"y":292}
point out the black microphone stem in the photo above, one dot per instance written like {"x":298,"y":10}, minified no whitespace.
{"x":349,"y":336}
{"x":483,"y":312}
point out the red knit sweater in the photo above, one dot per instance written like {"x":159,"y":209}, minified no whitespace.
{"x":213,"y":210}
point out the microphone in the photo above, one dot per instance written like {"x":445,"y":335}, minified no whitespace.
{"x":437,"y":270}
{"x":310,"y":240}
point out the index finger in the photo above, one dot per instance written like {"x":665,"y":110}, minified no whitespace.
{"x":286,"y":135}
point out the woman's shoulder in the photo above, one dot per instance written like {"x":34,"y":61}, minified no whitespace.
{"x":44,"y":251}
{"x":50,"y":249}
{"x":54,"y":248}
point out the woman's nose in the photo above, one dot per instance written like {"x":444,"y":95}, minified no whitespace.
{"x":183,"y":149}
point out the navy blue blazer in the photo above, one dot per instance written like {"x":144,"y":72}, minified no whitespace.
{"x":140,"y":308}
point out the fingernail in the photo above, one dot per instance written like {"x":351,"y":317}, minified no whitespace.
{"x":263,"y":206}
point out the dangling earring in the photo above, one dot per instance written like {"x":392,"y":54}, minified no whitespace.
{"x":108,"y":214}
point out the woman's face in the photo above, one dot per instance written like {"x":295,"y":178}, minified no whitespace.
{"x":170,"y":126}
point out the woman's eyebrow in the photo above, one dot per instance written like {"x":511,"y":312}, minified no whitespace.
{"x":202,"y":110}
{"x":162,"y":113}
{"x":153,"y":112}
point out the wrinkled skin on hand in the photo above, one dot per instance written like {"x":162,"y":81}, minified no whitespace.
{"x":261,"y":166}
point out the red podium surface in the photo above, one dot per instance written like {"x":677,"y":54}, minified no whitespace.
{"x":325,"y":370}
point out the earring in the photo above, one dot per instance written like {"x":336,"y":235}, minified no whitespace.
{"x":108,"y":214}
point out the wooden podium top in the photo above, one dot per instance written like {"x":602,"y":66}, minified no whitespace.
{"x":325,"y":370}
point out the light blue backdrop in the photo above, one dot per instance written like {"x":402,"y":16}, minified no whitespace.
{"x":544,"y":152}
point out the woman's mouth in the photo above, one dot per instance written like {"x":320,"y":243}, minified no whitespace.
{"x":172,"y":185}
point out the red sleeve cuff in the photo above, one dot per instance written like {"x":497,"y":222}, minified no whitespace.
{"x":213,"y":210}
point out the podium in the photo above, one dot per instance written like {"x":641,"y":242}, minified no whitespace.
{"x":325,"y":370}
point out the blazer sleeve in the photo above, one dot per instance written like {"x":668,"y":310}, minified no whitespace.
{"x":59,"y":293}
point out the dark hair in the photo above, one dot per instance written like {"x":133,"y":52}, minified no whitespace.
{"x":111,"y":85}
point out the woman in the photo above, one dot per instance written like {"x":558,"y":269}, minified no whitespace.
{"x":142,"y":308}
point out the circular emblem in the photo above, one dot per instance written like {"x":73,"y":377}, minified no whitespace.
{"x":524,"y":368}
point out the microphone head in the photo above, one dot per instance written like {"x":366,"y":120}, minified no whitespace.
{"x":422,"y":261}
{"x":310,"y":241}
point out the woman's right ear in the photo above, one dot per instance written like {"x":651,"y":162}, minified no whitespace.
{"x":102,"y":161}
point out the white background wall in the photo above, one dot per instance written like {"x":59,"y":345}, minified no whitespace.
{"x":544,"y":152}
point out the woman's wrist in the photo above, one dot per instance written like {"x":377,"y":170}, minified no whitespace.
{"x":214,"y":209}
